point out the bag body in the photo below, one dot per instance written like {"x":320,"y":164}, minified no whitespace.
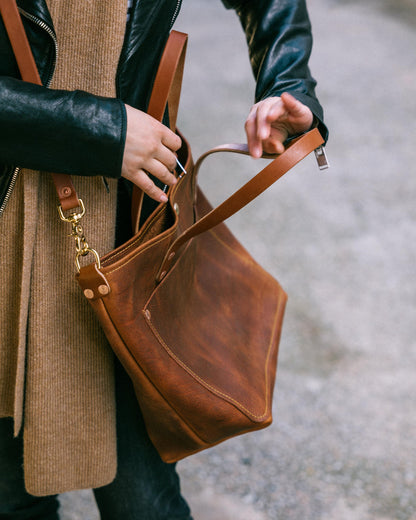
{"x":193,"y":318}
{"x":201,"y":344}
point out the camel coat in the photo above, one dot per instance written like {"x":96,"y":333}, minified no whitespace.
{"x":56,"y":373}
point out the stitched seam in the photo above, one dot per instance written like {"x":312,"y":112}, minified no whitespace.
{"x":127,"y":248}
{"x":138,"y":253}
{"x":209,"y":386}
{"x":169,"y":273}
{"x":206,"y":442}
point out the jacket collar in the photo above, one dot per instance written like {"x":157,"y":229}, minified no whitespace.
{"x":37,"y":8}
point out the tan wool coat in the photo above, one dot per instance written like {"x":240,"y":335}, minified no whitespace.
{"x":56,"y":373}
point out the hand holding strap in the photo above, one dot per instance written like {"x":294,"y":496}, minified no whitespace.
{"x":295,"y":152}
{"x":166,"y":91}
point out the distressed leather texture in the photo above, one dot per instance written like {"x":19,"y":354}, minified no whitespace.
{"x":200,"y":346}
{"x":194,"y":319}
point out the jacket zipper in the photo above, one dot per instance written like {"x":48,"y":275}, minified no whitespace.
{"x":40,"y":23}
{"x":175,"y":14}
{"x":9,"y":190}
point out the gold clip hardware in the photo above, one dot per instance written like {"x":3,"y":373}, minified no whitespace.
{"x":85,"y":252}
{"x":81,"y":244}
{"x":72,"y":217}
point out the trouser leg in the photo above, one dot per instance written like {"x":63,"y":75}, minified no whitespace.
{"x":145,"y":487}
{"x":15,"y":502}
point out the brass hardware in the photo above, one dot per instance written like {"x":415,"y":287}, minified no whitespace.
{"x":176,"y":208}
{"x":103,"y":290}
{"x":81,"y":244}
{"x":85,"y":252}
{"x":73,"y":217}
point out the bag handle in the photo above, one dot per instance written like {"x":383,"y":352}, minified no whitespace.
{"x":294,"y":153}
{"x":167,"y":88}
{"x":166,"y":91}
{"x":168,"y":82}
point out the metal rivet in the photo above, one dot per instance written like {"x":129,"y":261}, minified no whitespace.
{"x":176,"y":208}
{"x":147,"y":314}
{"x":162,"y":274}
{"x":66,"y":192}
{"x":103,"y":290}
{"x":88,"y":293}
{"x":171,"y":255}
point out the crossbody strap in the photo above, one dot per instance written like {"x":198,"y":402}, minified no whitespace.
{"x":29,"y":72}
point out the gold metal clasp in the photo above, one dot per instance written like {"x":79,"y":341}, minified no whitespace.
{"x":72,"y":217}
{"x":77,"y":233}
{"x":85,"y":252}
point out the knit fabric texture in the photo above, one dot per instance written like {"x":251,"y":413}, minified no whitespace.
{"x":56,"y":373}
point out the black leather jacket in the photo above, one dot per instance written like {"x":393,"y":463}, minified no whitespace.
{"x":82,"y":134}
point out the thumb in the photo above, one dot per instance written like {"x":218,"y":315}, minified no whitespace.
{"x":292,"y":105}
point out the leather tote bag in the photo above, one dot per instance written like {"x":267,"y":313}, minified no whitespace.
{"x":193,"y":318}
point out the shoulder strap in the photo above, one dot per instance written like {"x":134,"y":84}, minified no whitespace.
{"x":168,"y":81}
{"x":166,"y":91}
{"x":29,"y":72}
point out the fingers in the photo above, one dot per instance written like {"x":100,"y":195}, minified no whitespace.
{"x":158,"y":169}
{"x":149,"y":148}
{"x":141,"y":179}
{"x":259,"y":125}
{"x":171,"y":140}
{"x":296,"y":110}
{"x":253,"y":141}
{"x":273,"y":120}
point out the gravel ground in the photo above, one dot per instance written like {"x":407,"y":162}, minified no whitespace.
{"x":342,"y":243}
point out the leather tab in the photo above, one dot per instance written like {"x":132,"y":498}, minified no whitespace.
{"x":67,"y":195}
{"x":92,"y":282}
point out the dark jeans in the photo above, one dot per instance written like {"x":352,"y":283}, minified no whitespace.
{"x":145,"y":487}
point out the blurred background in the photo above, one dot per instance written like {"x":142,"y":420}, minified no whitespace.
{"x":343,"y":245}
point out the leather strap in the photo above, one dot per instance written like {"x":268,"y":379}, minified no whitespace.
{"x":166,"y":87}
{"x":168,"y":81}
{"x":29,"y":72}
{"x":166,"y":91}
{"x":296,"y":151}
{"x":18,"y":41}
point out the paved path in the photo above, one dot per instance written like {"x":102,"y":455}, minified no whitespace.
{"x":343,"y":244}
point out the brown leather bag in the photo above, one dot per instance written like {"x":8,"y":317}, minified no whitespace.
{"x":193,"y":318}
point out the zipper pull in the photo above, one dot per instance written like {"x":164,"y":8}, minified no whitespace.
{"x":321,"y":158}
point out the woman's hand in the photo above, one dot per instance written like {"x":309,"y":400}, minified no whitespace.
{"x":150,"y":148}
{"x":272,"y":120}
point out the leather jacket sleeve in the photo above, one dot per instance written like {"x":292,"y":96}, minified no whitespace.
{"x":60,"y":131}
{"x":279,"y":38}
